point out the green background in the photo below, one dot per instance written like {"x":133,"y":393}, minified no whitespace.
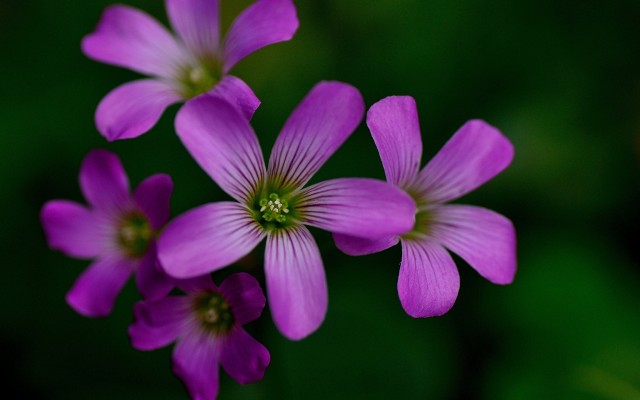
{"x":561,"y":79}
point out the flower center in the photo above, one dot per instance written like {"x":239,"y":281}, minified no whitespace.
{"x":422,"y":226}
{"x":214,"y":312}
{"x":273,"y":208}
{"x":134,"y":234}
{"x":199,"y":79}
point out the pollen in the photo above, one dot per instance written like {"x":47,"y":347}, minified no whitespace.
{"x":215,"y":313}
{"x":274,"y":208}
{"x":199,"y":78}
{"x":134,"y":235}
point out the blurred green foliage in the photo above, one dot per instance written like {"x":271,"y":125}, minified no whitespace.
{"x":560,"y":78}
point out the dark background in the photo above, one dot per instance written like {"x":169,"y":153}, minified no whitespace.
{"x":561,"y":79}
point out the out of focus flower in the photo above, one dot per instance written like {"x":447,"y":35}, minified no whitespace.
{"x":428,"y":282}
{"x":117,"y":229}
{"x":273,"y":202}
{"x":206,"y":325}
{"x":181,"y":67}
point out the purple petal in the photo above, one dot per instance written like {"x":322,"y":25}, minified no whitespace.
{"x":244,"y":295}
{"x":317,"y":127}
{"x":475,"y":154}
{"x":395,"y":129}
{"x":152,"y":196}
{"x":207,"y":238}
{"x":104,"y":181}
{"x":483,"y":238}
{"x":263,"y":23}
{"x":197,"y":285}
{"x":237,"y":93}
{"x":130,"y":38}
{"x":221,"y":140}
{"x":361,"y":207}
{"x":197,"y":23}
{"x":158,"y":323}
{"x":132,"y":109}
{"x":243,"y":357}
{"x":356,"y":246}
{"x":195,"y":362}
{"x":152,"y":282}
{"x":73,"y":229}
{"x":428,"y":282}
{"x":296,"y":284}
{"x":94,"y":292}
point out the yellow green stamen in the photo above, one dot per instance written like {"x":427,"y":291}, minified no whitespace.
{"x":274,"y":208}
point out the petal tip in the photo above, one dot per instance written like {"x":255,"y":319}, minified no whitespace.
{"x":80,"y":306}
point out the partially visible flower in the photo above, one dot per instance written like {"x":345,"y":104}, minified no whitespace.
{"x":207,"y":327}
{"x":428,"y":282}
{"x":274,"y":203}
{"x":182,"y":67}
{"x":118,"y":230}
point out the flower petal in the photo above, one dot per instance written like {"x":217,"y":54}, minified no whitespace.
{"x":243,"y":357}
{"x":130,"y":38}
{"x":317,"y":127}
{"x":197,"y":285}
{"x":152,"y":282}
{"x":394,"y":126}
{"x":237,"y":93}
{"x":73,"y":229}
{"x":195,"y":362}
{"x":483,"y":238}
{"x":296,"y":283}
{"x":94,"y":292}
{"x":263,"y":23}
{"x":207,"y":238}
{"x":132,"y":109}
{"x":428,"y":282}
{"x":197,"y":22}
{"x":153,"y":195}
{"x":475,"y":154}
{"x":243,"y":294}
{"x":221,"y":140}
{"x":356,"y":246}
{"x":104,"y":181}
{"x":361,"y":207}
{"x":158,"y":323}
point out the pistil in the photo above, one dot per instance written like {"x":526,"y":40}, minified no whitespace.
{"x":274,"y":208}
{"x":214,"y":312}
{"x":134,"y":235}
{"x":199,"y":79}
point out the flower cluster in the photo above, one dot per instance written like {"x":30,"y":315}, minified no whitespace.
{"x":130,"y":233}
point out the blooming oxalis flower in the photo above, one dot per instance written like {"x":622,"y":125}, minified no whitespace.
{"x":207,"y":326}
{"x":117,"y":229}
{"x":182,"y":67}
{"x":274,"y":203}
{"x":428,"y":282}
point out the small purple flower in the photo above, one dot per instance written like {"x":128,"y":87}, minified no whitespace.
{"x":274,"y":203}
{"x":182,"y":67}
{"x":118,"y":230}
{"x":428,"y":282}
{"x":207,"y":327}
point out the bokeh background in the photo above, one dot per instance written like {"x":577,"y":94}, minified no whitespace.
{"x":561,"y":79}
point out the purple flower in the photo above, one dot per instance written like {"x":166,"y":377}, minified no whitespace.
{"x":182,"y":67}
{"x":428,"y":282}
{"x":117,"y":230}
{"x":207,"y":326}
{"x":273,"y":202}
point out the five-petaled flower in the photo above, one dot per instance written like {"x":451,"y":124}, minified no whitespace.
{"x":207,"y":326}
{"x":273,"y":201}
{"x":182,"y":67}
{"x":117,"y":229}
{"x":428,"y":282}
